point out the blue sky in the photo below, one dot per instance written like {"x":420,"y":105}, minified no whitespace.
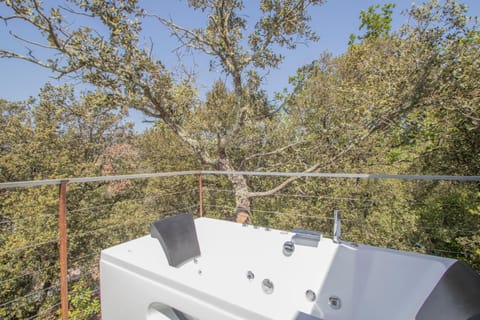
{"x":334,"y":22}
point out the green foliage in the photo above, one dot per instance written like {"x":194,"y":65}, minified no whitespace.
{"x":84,"y":305}
{"x":377,"y":24}
{"x":403,"y":103}
{"x":57,"y":136}
{"x":449,"y":224}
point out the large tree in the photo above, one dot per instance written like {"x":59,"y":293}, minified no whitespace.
{"x":120,"y":64}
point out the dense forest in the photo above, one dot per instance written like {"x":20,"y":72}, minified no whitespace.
{"x":404,"y":101}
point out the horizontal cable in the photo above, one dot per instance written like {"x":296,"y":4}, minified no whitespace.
{"x":20,"y":184}
{"x":36,"y":292}
{"x":159,"y":195}
{"x":219,"y":206}
{"x":307,"y":196}
{"x":29,"y":273}
{"x":91,"y":232}
{"x":29,"y":246}
{"x":345,"y":175}
{"x":13,"y":301}
{"x":280,"y":212}
{"x":44,"y":311}
{"x":88,"y":292}
{"x":125,"y":224}
{"x":218,"y":190}
{"x":91,"y":208}
{"x":357,"y":221}
{"x":322,"y":197}
{"x":35,"y":217}
{"x":84,"y":257}
{"x":40,"y":271}
{"x":306,"y":215}
{"x":447,"y":251}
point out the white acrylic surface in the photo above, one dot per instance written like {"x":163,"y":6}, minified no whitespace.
{"x":372,"y":283}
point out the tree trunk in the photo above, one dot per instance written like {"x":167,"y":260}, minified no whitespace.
{"x":242,"y":199}
{"x":242,"y":195}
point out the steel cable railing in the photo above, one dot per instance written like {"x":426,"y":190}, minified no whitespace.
{"x":82,"y":267}
{"x":31,"y":246}
{"x":114,"y":219}
{"x":26,"y":297}
{"x":45,"y":311}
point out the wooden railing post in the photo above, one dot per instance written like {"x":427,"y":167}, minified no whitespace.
{"x":200,"y":196}
{"x":62,"y":233}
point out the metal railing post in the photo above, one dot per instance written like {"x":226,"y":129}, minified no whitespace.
{"x":337,"y":226}
{"x":62,"y":233}
{"x":200,"y":196}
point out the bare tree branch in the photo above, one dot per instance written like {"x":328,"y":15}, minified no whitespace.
{"x":266,"y":154}
{"x":13,"y":55}
{"x":72,"y":11}
{"x":313,"y":168}
{"x":182,"y":33}
{"x":34,"y":43}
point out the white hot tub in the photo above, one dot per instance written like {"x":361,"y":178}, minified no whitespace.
{"x":243,"y":273}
